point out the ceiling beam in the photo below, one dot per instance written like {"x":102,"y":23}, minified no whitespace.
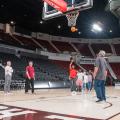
{"x":50,"y":42}
{"x":37,"y":43}
{"x":13,"y":37}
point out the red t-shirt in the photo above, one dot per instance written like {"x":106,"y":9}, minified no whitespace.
{"x":30,"y":71}
{"x":73,"y":73}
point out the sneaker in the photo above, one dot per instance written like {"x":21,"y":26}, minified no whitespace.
{"x":103,"y":101}
{"x":9,"y":93}
{"x":98,"y":101}
{"x":74,"y":93}
{"x":5,"y":93}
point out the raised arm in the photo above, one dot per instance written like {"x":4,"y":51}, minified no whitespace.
{"x":71,"y":62}
{"x":2,"y":66}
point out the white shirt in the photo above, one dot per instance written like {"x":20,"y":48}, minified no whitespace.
{"x":85,"y":78}
{"x":80,"y":75}
{"x":8,"y":70}
{"x":89,"y":78}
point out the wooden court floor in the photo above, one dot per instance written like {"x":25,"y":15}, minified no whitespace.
{"x":59,"y":104}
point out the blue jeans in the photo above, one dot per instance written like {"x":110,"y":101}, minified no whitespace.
{"x":84,"y":86}
{"x":99,"y":86}
{"x":89,"y":85}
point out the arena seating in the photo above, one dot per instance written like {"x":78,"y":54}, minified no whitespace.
{"x":117,"y":49}
{"x":83,"y":48}
{"x":62,"y":64}
{"x":27,"y":42}
{"x":88,"y":66}
{"x":63,"y":46}
{"x":97,"y":47}
{"x":7,"y":39}
{"x":116,"y":69}
{"x":47,"y":45}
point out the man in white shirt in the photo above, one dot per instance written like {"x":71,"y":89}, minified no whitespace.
{"x":8,"y":77}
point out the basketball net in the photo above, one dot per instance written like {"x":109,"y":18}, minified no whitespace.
{"x":72,"y":18}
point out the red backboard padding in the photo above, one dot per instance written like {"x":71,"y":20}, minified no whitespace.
{"x":60,"y":5}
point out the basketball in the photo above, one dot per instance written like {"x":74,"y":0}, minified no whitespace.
{"x":73,"y":29}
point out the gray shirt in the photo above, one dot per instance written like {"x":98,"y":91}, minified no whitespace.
{"x":102,"y":67}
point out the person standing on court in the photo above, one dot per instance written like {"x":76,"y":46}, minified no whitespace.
{"x":99,"y":75}
{"x":79,"y":82}
{"x":90,"y":79}
{"x":30,"y":77}
{"x":8,"y":77}
{"x":73,"y":77}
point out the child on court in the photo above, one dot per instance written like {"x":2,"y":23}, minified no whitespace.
{"x":79,"y":82}
{"x":90,"y":79}
{"x":85,"y":82}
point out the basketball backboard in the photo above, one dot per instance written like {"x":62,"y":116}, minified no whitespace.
{"x":72,"y":5}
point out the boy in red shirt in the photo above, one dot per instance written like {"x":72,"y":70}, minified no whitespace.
{"x":30,"y":77}
{"x":73,"y":77}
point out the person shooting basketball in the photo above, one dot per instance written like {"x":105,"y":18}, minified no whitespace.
{"x":73,"y":76}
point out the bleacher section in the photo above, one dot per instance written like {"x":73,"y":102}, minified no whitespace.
{"x":117,"y":49}
{"x":47,"y":46}
{"x":116,"y":69}
{"x":63,"y":46}
{"x":7,"y":39}
{"x":62,"y":64}
{"x":83,"y":48}
{"x":88,"y":66}
{"x":27,"y":42}
{"x":97,"y":47}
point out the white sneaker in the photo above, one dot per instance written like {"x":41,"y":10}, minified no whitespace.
{"x":9,"y":93}
{"x":74,"y":93}
{"x":103,"y":101}
{"x":5,"y":93}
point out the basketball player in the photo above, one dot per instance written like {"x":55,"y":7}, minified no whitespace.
{"x":30,"y":77}
{"x":73,"y":77}
{"x":100,"y":73}
{"x":8,"y":77}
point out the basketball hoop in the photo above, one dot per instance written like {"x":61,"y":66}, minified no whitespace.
{"x":72,"y":18}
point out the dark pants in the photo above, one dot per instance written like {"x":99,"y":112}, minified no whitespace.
{"x":99,"y":86}
{"x":28,"y":83}
{"x":73,"y":84}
